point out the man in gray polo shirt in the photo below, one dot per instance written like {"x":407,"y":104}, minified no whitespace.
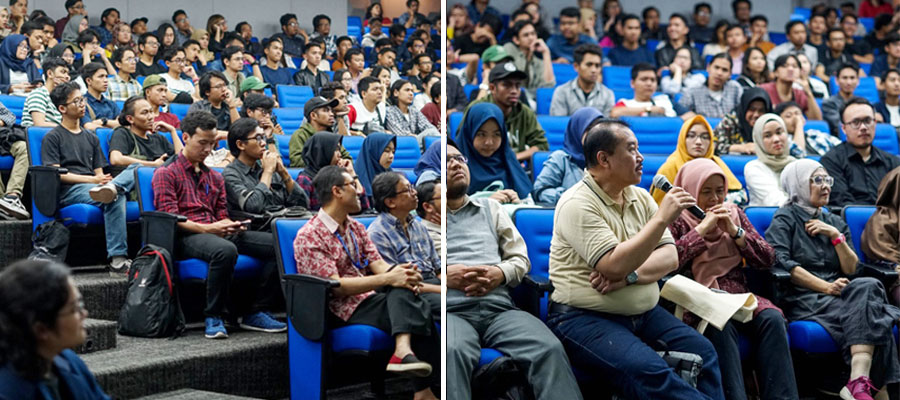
{"x":586,"y":90}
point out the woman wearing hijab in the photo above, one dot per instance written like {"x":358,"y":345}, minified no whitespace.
{"x":763,"y":174}
{"x":428,"y":168}
{"x":696,"y":141}
{"x":72,"y":29}
{"x":375,"y":157}
{"x":712,"y":251}
{"x":814,"y":247}
{"x":321,"y":150}
{"x":734,"y":134}
{"x":17,"y":70}
{"x":67,"y":53}
{"x":881,"y":239}
{"x":565,"y":168}
{"x":492,"y":163}
{"x":202,"y":37}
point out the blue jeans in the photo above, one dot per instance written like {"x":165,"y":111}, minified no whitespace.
{"x":113,"y":213}
{"x":618,"y":348}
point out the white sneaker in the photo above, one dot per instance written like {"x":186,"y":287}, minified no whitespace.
{"x":104,"y":193}
{"x":120,"y":263}
{"x":13,"y":206}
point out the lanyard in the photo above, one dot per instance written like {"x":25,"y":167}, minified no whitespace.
{"x":359,"y":262}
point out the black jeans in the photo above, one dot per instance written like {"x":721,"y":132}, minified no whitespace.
{"x":767,"y":333}
{"x":221,"y":254}
{"x":399,"y":310}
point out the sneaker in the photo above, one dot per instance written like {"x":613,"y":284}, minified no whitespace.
{"x":13,"y":206}
{"x":215,"y":328}
{"x":120,"y":263}
{"x":858,"y":389}
{"x":104,"y":193}
{"x":409,"y":365}
{"x":262,"y":322}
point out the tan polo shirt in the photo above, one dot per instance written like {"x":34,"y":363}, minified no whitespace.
{"x":587,"y":224}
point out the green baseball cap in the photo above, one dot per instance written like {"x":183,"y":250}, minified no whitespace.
{"x":253,"y":83}
{"x":152,"y":81}
{"x":495,"y":53}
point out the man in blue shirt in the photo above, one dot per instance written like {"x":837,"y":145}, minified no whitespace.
{"x":562,"y":45}
{"x":108,"y":19}
{"x":100,"y":112}
{"x":272,"y":72}
{"x":890,"y":58}
{"x":292,"y":37}
{"x":630,"y":52}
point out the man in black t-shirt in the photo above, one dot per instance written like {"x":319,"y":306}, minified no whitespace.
{"x":136,"y":140}
{"x":484,"y":36}
{"x":77,"y":149}
{"x":218,"y":100}
{"x":148,"y":45}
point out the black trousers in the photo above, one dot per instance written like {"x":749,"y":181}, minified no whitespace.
{"x":399,"y":310}
{"x":221,"y":254}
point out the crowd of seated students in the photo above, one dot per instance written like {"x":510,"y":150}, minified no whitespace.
{"x":611,"y":239}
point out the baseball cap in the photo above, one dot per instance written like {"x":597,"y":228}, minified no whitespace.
{"x":506,"y":70}
{"x":152,"y":81}
{"x":253,"y":83}
{"x":318,"y":102}
{"x":142,"y":19}
{"x":495,"y":53}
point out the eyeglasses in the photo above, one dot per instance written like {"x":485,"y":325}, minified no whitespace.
{"x":130,"y":60}
{"x":261,"y":139}
{"x":152,"y":44}
{"x":262,"y":110}
{"x":78,"y":102}
{"x":822,"y":180}
{"x":703,"y":137}
{"x":856,"y":123}
{"x":219,"y":86}
{"x":78,"y":309}
{"x":293,"y":24}
{"x":352,"y":182}
{"x":458,"y":158}
{"x":179,"y":61}
{"x":409,"y":189}
{"x":180,"y":20}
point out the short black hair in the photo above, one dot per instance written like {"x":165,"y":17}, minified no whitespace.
{"x":205,"y":82}
{"x":882,"y":20}
{"x":833,"y":30}
{"x":255,"y":101}
{"x":735,"y":3}
{"x":782,"y":59}
{"x":237,"y":28}
{"x":848,"y":4}
{"x":119,"y":53}
{"x":488,"y":20}
{"x":853,"y":101}
{"x":847,"y":65}
{"x":194,"y":120}
{"x":418,"y":58}
{"x":627,"y":17}
{"x":364,"y":83}
{"x":425,"y":193}
{"x":387,"y":50}
{"x":286,"y":18}
{"x":71,"y":3}
{"x":518,"y":12}
{"x":176,"y":14}
{"x":383,"y":42}
{"x":108,"y":11}
{"x":319,"y":18}
{"x":759,"y":17}
{"x":889,"y":71}
{"x":87,"y":36}
{"x":60,"y":94}
{"x":327,"y":178}
{"x":823,"y":14}
{"x":683,"y":19}
{"x":641,"y":67}
{"x":338,"y":41}
{"x":316,"y":42}
{"x":230,"y":51}
{"x":147,"y":35}
{"x":53,"y":63}
{"x":383,"y":188}
{"x":189,"y":42}
{"x":700,"y":5}
{"x":128,"y":109}
{"x":171,"y":52}
{"x":396,"y":30}
{"x":892,"y":37}
{"x":784,"y":106}
{"x":348,"y":56}
{"x":327,"y":90}
{"x":517,"y":27}
{"x":91,"y":68}
{"x":239,"y":130}
{"x":583,"y":49}
{"x":31,"y":26}
{"x":435,"y":93}
{"x":791,"y":24}
{"x":722,"y":55}
{"x":231,"y":37}
{"x":849,"y":15}
{"x":409,"y":2}
{"x":647,"y":10}
{"x":571,"y":12}
{"x":602,"y":137}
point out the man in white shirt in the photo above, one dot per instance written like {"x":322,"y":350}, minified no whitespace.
{"x":644,"y":83}
{"x":796,"y":33}
{"x":180,"y":90}
{"x":370,"y":111}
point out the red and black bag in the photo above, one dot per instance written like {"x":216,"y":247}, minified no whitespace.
{"x":151,"y":307}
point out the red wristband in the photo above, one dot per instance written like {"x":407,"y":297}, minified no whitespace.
{"x":839,"y":240}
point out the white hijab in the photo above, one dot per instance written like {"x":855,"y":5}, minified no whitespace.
{"x":795,"y":182}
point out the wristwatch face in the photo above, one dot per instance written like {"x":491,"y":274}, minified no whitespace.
{"x":631,"y":278}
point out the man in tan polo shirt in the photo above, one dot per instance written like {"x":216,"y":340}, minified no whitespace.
{"x":610,"y":246}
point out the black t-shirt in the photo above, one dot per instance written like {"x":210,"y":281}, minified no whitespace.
{"x":80,"y":153}
{"x":148,"y":149}
{"x":860,"y":47}
{"x":147,"y":70}
{"x":223,"y":117}
{"x":465,"y":45}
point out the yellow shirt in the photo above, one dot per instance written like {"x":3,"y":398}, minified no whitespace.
{"x":587,"y":224}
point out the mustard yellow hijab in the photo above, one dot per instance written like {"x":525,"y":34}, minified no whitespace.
{"x":677,"y":159}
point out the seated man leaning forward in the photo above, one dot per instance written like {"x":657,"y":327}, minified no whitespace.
{"x":486,"y":257}
{"x":334,"y":246}
{"x":610,"y":246}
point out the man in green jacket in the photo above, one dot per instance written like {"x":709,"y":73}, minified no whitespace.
{"x":318,"y":117}
{"x":526,"y":136}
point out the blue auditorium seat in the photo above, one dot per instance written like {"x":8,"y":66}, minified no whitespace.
{"x":714,"y":122}
{"x":429,"y":140}
{"x":736,"y":164}
{"x":623,"y":93}
{"x":353,"y":144}
{"x":290,"y":118}
{"x":293,"y":96}
{"x":180,"y":110}
{"x":537,"y":163}
{"x":856,"y":218}
{"x":455,"y":120}
{"x":865,"y":89}
{"x":777,"y":38}
{"x":407,"y":153}
{"x":468,"y":89}
{"x":564,"y":73}
{"x":655,"y":135}
{"x":760,"y":217}
{"x":536,"y":227}
{"x":354,"y":28}
{"x":555,"y":130}
{"x":544,"y":97}
{"x":652,"y":162}
{"x":818,"y":125}
{"x":15,"y":104}
{"x":885,"y":138}
{"x":284,"y":147}
{"x":617,"y":77}
{"x":869,"y":23}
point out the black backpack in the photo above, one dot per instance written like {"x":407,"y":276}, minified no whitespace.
{"x":501,"y":379}
{"x":51,"y":242}
{"x":151,"y":307}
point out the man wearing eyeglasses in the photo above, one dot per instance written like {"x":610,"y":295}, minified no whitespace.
{"x":183,"y":28}
{"x":123,"y":85}
{"x":322,"y":26}
{"x":856,"y":165}
{"x":73,"y":7}
{"x":181,"y":90}
{"x":148,"y":46}
{"x":430,"y":199}
{"x":292,"y":36}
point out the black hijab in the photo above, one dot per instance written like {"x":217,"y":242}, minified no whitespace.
{"x":318,"y":152}
{"x":750,"y":94}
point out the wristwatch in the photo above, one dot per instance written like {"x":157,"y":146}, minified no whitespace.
{"x":648,"y":109}
{"x":632,"y":278}
{"x":739,"y":234}
{"x":103,"y":121}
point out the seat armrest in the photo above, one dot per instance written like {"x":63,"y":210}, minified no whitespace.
{"x":307,"y":303}
{"x":769,"y":283}
{"x":159,"y":228}
{"x":538,"y":283}
{"x":45,"y":184}
{"x":881,"y":271}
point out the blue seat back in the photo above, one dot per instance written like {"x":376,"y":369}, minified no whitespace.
{"x":866,"y":88}
{"x":104,"y":135}
{"x":714,"y":122}
{"x":290,"y":118}
{"x":407,"y":152}
{"x":555,"y":130}
{"x":468,"y":89}
{"x":293,"y":96}
{"x":655,"y":135}
{"x":429,"y":140}
{"x":736,"y":165}
{"x":35,"y":139}
{"x":285,"y":231}
{"x":353,"y":144}
{"x":760,"y":217}
{"x":564,"y":73}
{"x":652,"y":162}
{"x":544,"y":97}
{"x":617,"y":77}
{"x":354,"y":26}
{"x":818,"y":125}
{"x":284,"y":147}
{"x":536,"y":227}
{"x":455,"y":120}
{"x":16,"y":104}
{"x":537,"y":161}
{"x":856,"y":218}
{"x":885,"y":138}
{"x":143,"y":182}
{"x":180,"y":110}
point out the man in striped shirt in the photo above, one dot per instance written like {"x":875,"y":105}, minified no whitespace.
{"x":38,"y":110}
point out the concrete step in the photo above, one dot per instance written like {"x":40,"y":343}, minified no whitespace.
{"x":101,"y":335}
{"x":15,"y":241}
{"x":193,"y":394}
{"x":103,"y":292}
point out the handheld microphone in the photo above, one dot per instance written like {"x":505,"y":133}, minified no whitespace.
{"x":660,"y":182}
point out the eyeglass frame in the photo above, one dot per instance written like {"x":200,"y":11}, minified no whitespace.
{"x":825,"y":180}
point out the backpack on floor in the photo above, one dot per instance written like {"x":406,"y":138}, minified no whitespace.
{"x":501,"y":379}
{"x":51,"y":242}
{"x":151,"y":306}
